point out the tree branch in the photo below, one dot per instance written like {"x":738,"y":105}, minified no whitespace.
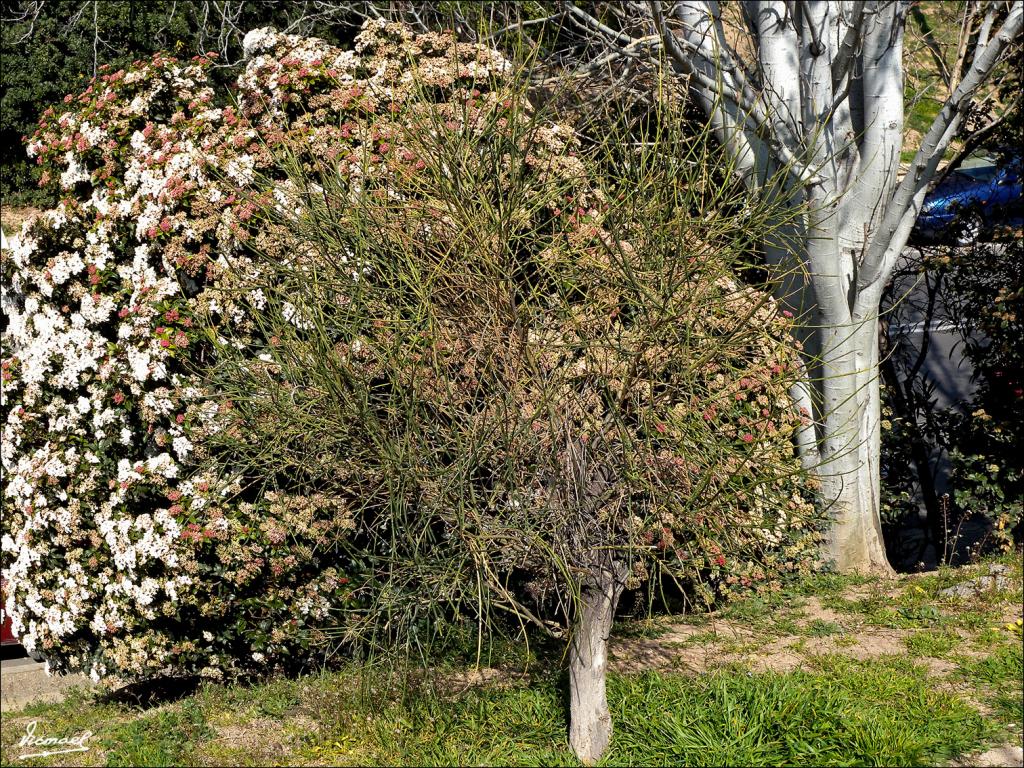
{"x":727,"y":97}
{"x":977,"y":139}
{"x":589,"y":21}
{"x":848,"y":47}
{"x":880,"y":142}
{"x":906,"y":201}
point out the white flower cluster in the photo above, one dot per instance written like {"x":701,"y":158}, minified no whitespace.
{"x":86,"y":432}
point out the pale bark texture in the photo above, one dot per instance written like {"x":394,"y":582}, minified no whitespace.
{"x":590,"y":722}
{"x":813,"y":114}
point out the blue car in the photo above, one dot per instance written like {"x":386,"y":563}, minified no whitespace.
{"x":980,"y":199}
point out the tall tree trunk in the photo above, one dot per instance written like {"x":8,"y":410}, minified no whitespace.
{"x":825,"y":104}
{"x":590,"y":722}
{"x":849,"y":455}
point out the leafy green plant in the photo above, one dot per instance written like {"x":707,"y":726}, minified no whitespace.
{"x":820,"y":628}
{"x":936,"y":643}
{"x":1005,"y":666}
{"x":981,"y":290}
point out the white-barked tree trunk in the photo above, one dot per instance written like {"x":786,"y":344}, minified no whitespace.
{"x":590,"y":721}
{"x":822,"y":101}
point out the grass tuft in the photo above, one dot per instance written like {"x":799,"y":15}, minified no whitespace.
{"x":848,"y":713}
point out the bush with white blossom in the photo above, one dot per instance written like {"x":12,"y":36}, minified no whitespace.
{"x":122,"y":555}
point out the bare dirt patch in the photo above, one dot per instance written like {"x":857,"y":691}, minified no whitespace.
{"x":759,"y":652}
{"x":782,"y":655}
{"x":12,"y":217}
{"x":684,"y":647}
{"x":866,"y":644}
{"x":1005,"y":756}
{"x":491,"y":677}
{"x":262,"y":739}
{"x":864,"y":591}
{"x":772,"y":645}
{"x":813,"y":611}
{"x":1011,"y":613}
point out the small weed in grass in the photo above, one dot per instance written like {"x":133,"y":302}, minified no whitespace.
{"x":989,"y":637}
{"x":166,"y":737}
{"x":741,"y":647}
{"x":277,"y":698}
{"x":1009,"y":708}
{"x":825,"y":585}
{"x":751,"y":608}
{"x":921,"y":614}
{"x":770,"y":613}
{"x":1003,"y":667}
{"x":700,"y":638}
{"x":998,"y":678}
{"x":820,"y":628}
{"x":641,"y":628}
{"x":936,"y":643}
{"x":784,"y":625}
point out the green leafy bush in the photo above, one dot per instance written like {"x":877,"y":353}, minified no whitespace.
{"x":986,"y":300}
{"x":981,"y":291}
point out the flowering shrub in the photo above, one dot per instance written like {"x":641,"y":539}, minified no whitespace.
{"x":159,"y":521}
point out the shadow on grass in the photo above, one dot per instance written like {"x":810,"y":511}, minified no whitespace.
{"x":152,"y":693}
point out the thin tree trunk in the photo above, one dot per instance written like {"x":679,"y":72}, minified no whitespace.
{"x":590,"y":722}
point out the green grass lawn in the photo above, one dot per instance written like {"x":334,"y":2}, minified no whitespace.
{"x":841,"y":712}
{"x":954,"y":688}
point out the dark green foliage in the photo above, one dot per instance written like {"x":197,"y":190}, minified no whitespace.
{"x":988,"y":466}
{"x":52,"y":54}
{"x":981,"y":292}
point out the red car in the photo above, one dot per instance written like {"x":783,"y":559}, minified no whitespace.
{"x":6,"y":634}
